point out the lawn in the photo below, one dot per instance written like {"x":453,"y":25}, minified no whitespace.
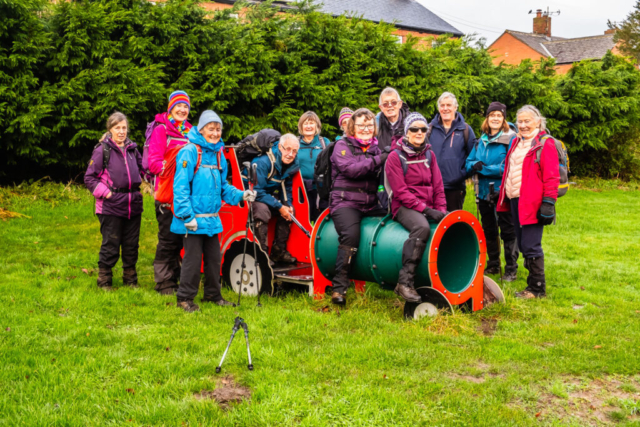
{"x":71,"y":354}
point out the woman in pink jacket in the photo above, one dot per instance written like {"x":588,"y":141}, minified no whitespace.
{"x":170,"y":131}
{"x":529,"y":190}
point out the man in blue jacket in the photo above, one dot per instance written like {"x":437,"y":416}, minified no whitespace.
{"x":274,"y":195}
{"x":451,"y":139}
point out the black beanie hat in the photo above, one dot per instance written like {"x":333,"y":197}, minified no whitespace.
{"x":497,"y":106}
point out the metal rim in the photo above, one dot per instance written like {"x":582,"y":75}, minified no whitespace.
{"x":493,"y":287}
{"x":232,"y":270}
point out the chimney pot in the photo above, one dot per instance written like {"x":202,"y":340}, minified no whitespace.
{"x":542,"y":24}
{"x":538,"y":13}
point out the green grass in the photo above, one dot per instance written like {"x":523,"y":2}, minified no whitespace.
{"x":69,"y":352}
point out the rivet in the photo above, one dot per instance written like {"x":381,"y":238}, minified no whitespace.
{"x":436,"y":273}
{"x":373,"y":243}
{"x":458,"y":295}
{"x":445,"y":291}
{"x":237,"y":271}
{"x":473,"y":223}
{"x":238,"y":282}
{"x":481,"y":302}
{"x":318,"y":259}
{"x":251,"y":272}
{"x":382,"y":223}
{"x":472,"y":285}
{"x":436,"y":249}
{"x":480,"y":241}
{"x":458,"y":217}
{"x":445,"y":227}
{"x":318,"y":237}
{"x":251,"y":284}
{"x":375,"y":266}
{"x":480,"y":263}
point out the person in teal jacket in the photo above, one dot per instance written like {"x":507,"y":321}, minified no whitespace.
{"x":486,"y":162}
{"x":311,"y":144}
{"x":199,"y":187}
{"x":274,"y":195}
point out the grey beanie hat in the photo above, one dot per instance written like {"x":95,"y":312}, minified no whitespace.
{"x":411,"y":118}
{"x":207,"y":117}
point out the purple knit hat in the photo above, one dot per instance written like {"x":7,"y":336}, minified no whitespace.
{"x":345,"y":113}
{"x":411,"y":118}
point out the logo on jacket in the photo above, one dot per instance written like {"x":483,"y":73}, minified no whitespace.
{"x":91,"y":162}
{"x":184,"y":164}
{"x":343,"y":152}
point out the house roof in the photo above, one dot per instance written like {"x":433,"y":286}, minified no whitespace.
{"x":573,"y":50}
{"x":534,"y":41}
{"x":404,"y":14}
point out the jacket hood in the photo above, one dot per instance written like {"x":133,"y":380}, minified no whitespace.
{"x":457,"y":124}
{"x":501,"y":138}
{"x":196,"y":137}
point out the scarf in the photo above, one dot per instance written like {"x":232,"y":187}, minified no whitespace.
{"x":365,"y":145}
{"x":411,"y":150}
{"x":178,"y":125}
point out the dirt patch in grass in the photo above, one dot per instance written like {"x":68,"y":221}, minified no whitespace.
{"x":592,"y":402}
{"x":488,"y":327}
{"x":227,"y":392}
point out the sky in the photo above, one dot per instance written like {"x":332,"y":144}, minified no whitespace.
{"x":489,"y":19}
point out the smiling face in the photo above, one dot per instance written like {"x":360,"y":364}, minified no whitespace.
{"x":289,"y":150}
{"x":447,"y":109}
{"x":309,"y":129}
{"x":390,"y":106}
{"x":528,"y":124}
{"x":119,"y":132}
{"x":180,"y":112}
{"x":364,"y":128}
{"x":495,"y":121}
{"x":417,"y":133}
{"x":212,"y":132}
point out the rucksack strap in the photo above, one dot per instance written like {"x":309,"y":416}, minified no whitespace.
{"x":543,"y":140}
{"x":405,"y":162}
{"x":106,"y":155}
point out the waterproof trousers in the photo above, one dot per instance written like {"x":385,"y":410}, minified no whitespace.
{"x":413,"y":249}
{"x":455,"y":199}
{"x":496,"y":226}
{"x":166,"y":265}
{"x":199,"y":248}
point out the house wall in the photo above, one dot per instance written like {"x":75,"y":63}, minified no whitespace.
{"x":512,"y":51}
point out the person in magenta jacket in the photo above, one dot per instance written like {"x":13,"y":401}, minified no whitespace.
{"x":529,"y":190}
{"x":417,"y":196}
{"x":171,"y":129}
{"x":114,"y":178}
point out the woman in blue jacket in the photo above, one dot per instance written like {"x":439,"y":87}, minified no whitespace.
{"x":311,"y":144}
{"x":486,"y":160}
{"x":198,"y":191}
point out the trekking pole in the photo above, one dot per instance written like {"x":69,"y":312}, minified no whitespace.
{"x":296,"y":222}
{"x":247,"y":165}
{"x":246,"y":338}
{"x":253,"y":177}
{"x":475,"y":189}
{"x":492,"y":190}
{"x":236,"y":327}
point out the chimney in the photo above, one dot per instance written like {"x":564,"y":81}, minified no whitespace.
{"x":611,"y":31}
{"x":542,"y":24}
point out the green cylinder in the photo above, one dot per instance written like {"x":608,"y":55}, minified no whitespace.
{"x":379,"y":257}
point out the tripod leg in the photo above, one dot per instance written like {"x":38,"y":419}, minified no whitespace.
{"x":255,"y":254}
{"x":244,"y":253}
{"x":233,"y":334}
{"x":246,"y":338}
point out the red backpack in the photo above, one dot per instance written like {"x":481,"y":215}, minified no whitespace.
{"x":164,"y":193}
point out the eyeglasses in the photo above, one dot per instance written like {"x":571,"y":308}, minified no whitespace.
{"x":418,"y":129}
{"x":389,"y":104}
{"x":365,"y":127}
{"x":289,"y":150}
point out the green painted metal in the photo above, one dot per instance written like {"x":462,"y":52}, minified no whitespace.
{"x":379,"y":257}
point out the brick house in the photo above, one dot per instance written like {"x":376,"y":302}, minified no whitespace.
{"x":514,"y":46}
{"x":408,"y":16}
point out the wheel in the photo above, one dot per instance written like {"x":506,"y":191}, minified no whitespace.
{"x":492,"y":292}
{"x":250,"y":278}
{"x":432,"y":302}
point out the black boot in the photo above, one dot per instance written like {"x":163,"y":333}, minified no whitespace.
{"x":536,"y":284}
{"x":411,"y":253}
{"x":279,"y":254}
{"x":279,"y":251}
{"x":511,"y":256}
{"x":105,"y":279}
{"x":130,"y":277}
{"x":340,"y":282}
{"x":261,"y":234}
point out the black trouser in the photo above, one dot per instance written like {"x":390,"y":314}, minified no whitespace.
{"x":195,"y":246}
{"x":347,"y":224}
{"x":263,"y":213}
{"x":419,"y":231}
{"x":166,"y":265}
{"x":455,"y":199}
{"x":530,"y":243}
{"x":117,"y":233}
{"x":507,"y":232}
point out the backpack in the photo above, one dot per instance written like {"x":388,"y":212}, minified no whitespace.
{"x":256,"y":145}
{"x":563,"y":166}
{"x":148,"y":176}
{"x":164,"y":193}
{"x":405,"y":167}
{"x":322,"y":171}
{"x":106,"y":153}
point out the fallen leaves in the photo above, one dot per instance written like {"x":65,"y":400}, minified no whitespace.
{"x":130,"y":390}
{"x":597,"y":347}
{"x":8,"y":329}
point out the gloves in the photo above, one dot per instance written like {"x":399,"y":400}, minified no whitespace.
{"x":547,"y":211}
{"x":191,"y":225}
{"x":434,"y":215}
{"x":249,"y":195}
{"x":493,"y":198}
{"x":383,"y":157}
{"x":478,"y":166}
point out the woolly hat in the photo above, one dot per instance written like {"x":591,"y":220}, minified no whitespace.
{"x":178,"y":97}
{"x":411,"y":118}
{"x":207,"y":117}
{"x":345,"y":113}
{"x":497,"y":106}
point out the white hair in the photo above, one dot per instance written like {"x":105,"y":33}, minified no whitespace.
{"x":389,"y":91}
{"x":535,"y":113}
{"x":289,"y":136}
{"x":446,"y":95}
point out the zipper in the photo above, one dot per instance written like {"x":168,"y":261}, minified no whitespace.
{"x":452,"y":135}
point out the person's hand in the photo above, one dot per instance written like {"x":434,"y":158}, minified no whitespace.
{"x":387,"y":149}
{"x":434,"y":215}
{"x":191,"y":225}
{"x":286,"y":212}
{"x":478,"y":166}
{"x":249,"y":195}
{"x":547,"y":211}
{"x":493,"y":198}
{"x":109,"y":195}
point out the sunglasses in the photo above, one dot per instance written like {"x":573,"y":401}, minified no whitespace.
{"x":418,"y":129}
{"x":389,"y":104}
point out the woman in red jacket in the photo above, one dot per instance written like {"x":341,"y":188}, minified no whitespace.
{"x":529,"y":190}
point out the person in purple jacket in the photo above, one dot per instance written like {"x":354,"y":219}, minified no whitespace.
{"x":114,"y":178}
{"x":356,"y":164}
{"x":417,"y":197}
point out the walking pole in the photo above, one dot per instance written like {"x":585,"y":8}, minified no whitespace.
{"x":246,"y":338}
{"x":247,"y":165}
{"x":495,"y":213}
{"x":475,"y":189}
{"x":253,"y":177}
{"x":236,"y":327}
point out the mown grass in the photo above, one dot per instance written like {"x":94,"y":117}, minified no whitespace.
{"x":73,"y":355}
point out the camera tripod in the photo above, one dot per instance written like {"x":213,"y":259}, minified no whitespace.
{"x":239,"y":323}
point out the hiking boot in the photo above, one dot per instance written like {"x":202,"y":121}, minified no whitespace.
{"x":281,"y":255}
{"x":221,"y":302}
{"x":188,"y":306}
{"x":492,"y":270}
{"x":261,"y":233}
{"x":510,"y":276}
{"x":167,"y":291}
{"x":338,"y":299}
{"x":407,"y":293}
{"x":105,"y":279}
{"x":536,"y":282}
{"x":340,"y":281}
{"x":130,"y":277}
{"x":526,"y":295}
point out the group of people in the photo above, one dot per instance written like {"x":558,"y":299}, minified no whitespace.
{"x":396,"y":161}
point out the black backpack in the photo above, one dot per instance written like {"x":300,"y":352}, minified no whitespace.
{"x":106,"y":153}
{"x":322,"y":171}
{"x":256,"y":145}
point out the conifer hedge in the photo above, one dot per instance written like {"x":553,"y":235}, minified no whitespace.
{"x":64,"y":68}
